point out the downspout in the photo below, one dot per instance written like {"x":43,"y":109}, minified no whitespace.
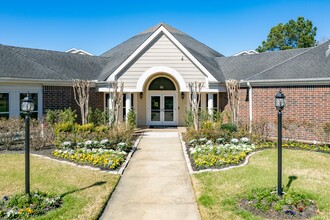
{"x":250,"y":105}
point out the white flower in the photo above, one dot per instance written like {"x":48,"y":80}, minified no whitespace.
{"x":245,"y":140}
{"x":66,"y":144}
{"x":234,"y":141}
{"x":105,"y":141}
{"x":209,"y":142}
{"x":89,"y":142}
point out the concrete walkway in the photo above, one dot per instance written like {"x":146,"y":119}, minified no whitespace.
{"x":156,"y":183}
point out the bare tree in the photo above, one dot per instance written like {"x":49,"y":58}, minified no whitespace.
{"x":116,"y":96}
{"x":81,"y":95}
{"x":195,"y":99}
{"x":233,"y":98}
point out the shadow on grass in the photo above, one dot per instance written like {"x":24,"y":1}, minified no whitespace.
{"x":81,"y":189}
{"x":291,"y":179}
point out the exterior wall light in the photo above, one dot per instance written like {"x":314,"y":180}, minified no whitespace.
{"x":279,"y":104}
{"x":141,"y":95}
{"x":182,"y":95}
{"x":27,"y":106}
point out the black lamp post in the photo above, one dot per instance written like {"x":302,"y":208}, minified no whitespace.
{"x":279,"y":104}
{"x":27,"y":106}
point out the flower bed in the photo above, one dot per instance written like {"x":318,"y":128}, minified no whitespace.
{"x":22,"y":206}
{"x":296,"y":145}
{"x":266,"y":203}
{"x":205,"y":154}
{"x":99,"y":157}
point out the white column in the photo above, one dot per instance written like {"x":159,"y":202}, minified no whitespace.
{"x":210,"y":104}
{"x":128,"y":102}
{"x":110,"y":107}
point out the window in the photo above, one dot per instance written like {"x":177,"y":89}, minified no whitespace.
{"x":215,"y":103}
{"x":124,"y":105}
{"x":34,"y":96}
{"x":4,"y":105}
{"x":162,"y":83}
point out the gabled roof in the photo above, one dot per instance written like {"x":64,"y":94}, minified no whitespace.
{"x":18,"y":62}
{"x":121,"y":53}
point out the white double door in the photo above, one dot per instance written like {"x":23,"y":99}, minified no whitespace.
{"x":162,"y":109}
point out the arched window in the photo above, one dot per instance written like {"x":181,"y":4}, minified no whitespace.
{"x":161,"y":83}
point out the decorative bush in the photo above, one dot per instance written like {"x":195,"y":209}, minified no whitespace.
{"x":23,"y":206}
{"x":103,"y":158}
{"x":219,"y":155}
{"x":97,"y":117}
{"x":131,"y":118}
{"x":61,"y":116}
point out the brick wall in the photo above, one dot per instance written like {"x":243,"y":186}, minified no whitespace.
{"x":303,"y":103}
{"x":60,"y":97}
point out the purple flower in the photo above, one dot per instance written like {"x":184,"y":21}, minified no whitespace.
{"x":5,"y":198}
{"x":290,"y":212}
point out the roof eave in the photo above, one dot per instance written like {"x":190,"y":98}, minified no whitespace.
{"x":287,"y":82}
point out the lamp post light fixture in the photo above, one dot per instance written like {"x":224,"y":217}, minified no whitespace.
{"x":27,"y":106}
{"x":279,"y":104}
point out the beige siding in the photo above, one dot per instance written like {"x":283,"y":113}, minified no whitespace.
{"x":162,"y":53}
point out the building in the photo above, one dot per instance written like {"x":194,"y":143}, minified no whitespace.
{"x":156,"y":67}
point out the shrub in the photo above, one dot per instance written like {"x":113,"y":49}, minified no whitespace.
{"x":131,"y":118}
{"x":61,"y":116}
{"x":67,"y":116}
{"x":64,"y":127}
{"x":11,"y":132}
{"x":229,"y":127}
{"x":85,"y":128}
{"x":97,"y":117}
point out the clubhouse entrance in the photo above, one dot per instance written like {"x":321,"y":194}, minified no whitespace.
{"x":162,"y":102}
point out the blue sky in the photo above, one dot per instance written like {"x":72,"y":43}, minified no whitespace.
{"x":96,"y":26}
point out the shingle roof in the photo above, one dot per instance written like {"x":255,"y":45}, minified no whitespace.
{"x":204,"y":54}
{"x":307,"y":63}
{"x":243,"y":67}
{"x":312,"y":63}
{"x":18,"y":62}
{"x":304,"y":63}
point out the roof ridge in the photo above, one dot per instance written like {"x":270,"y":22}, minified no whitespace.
{"x":33,"y":60}
{"x":280,"y":63}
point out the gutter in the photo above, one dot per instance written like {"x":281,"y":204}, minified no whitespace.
{"x":288,"y":82}
{"x":250,"y":106}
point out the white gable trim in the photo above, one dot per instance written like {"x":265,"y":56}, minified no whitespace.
{"x":163,"y":30}
{"x":161,"y":69}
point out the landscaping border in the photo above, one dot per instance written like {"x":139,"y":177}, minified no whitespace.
{"x":120,"y":171}
{"x":190,"y":169}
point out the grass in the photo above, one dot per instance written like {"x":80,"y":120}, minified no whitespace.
{"x":218,"y":193}
{"x":84,"y":192}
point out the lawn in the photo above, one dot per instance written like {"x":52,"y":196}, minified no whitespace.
{"x":218,"y":193}
{"x":84,"y":192}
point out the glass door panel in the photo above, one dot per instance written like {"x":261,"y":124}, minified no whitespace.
{"x":168,"y":108}
{"x":155,"y":108}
